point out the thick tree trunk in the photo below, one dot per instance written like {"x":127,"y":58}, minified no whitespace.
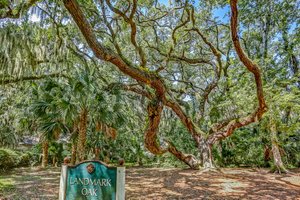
{"x":154,"y":110}
{"x":82,"y":135}
{"x":205,"y":150}
{"x":74,"y":152}
{"x":74,"y":142}
{"x":45,"y":146}
{"x":206,"y":154}
{"x":279,"y":166}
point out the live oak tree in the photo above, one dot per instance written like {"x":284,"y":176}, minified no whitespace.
{"x":153,"y":77}
{"x":169,"y":55}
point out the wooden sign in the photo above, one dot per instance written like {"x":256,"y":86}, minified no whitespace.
{"x":92,"y":180}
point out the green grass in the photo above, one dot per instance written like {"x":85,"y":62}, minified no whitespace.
{"x":6,"y":185}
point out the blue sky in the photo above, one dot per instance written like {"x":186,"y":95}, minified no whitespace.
{"x":220,"y":13}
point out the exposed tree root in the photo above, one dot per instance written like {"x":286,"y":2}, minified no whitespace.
{"x":279,"y":170}
{"x":210,"y":169}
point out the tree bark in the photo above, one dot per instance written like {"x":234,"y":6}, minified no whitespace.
{"x":279,"y":166}
{"x":206,"y":154}
{"x":82,"y":135}
{"x":97,"y":153}
{"x":154,"y":109}
{"x":74,"y":142}
{"x":74,"y":152}
{"x":45,"y":146}
{"x":190,"y":160}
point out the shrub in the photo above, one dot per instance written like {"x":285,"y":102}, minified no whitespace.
{"x":8,"y":159}
{"x":25,"y":159}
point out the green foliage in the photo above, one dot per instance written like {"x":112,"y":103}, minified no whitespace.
{"x":25,"y":159}
{"x":56,"y":151}
{"x":8,"y":159}
{"x":244,"y":148}
{"x":6,"y":185}
{"x":36,"y":152}
{"x":4,"y":3}
{"x":49,"y":108}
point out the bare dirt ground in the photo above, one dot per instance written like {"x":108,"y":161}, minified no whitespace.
{"x":159,"y":183}
{"x":227,"y":184}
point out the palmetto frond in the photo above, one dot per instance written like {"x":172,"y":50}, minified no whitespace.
{"x":40,"y":107}
{"x":51,"y":129}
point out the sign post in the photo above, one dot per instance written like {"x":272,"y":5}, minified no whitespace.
{"x":92,"y":180}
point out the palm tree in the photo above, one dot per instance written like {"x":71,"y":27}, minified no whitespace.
{"x":73,"y":137}
{"x":81,"y":142}
{"x":51,"y":112}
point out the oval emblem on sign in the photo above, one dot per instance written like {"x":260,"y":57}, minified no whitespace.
{"x":90,"y":168}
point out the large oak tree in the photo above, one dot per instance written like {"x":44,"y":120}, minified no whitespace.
{"x":169,"y":55}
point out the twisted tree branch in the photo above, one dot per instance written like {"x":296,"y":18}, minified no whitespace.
{"x":251,"y":67}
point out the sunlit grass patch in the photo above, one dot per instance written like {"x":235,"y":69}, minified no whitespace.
{"x":6,"y":185}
